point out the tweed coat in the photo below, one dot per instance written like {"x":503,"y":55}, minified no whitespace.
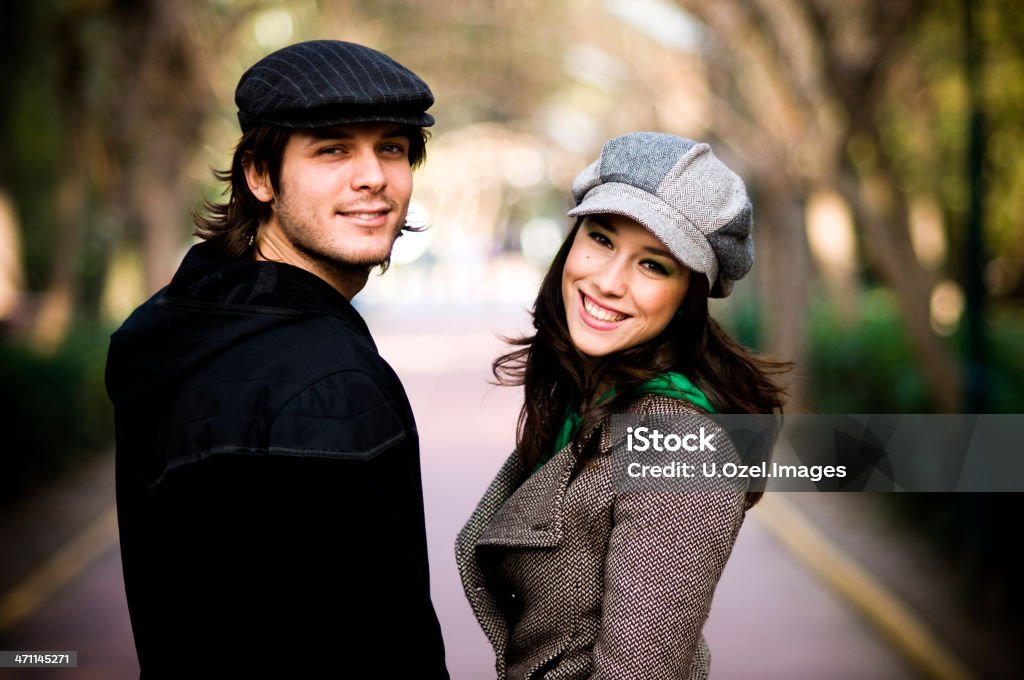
{"x":570,"y":578}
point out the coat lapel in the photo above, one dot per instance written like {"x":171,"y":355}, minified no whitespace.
{"x":474,"y":583}
{"x":530,"y":516}
{"x":517,"y":510}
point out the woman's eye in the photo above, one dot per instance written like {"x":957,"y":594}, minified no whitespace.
{"x":331,"y":151}
{"x":654,"y":267}
{"x":600,"y":239}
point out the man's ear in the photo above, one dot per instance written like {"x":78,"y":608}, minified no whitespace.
{"x":258,"y":181}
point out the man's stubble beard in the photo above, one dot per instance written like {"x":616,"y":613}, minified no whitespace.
{"x":297,"y":230}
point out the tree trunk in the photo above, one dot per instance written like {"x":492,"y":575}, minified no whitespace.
{"x":57,"y":305}
{"x":784,"y":268}
{"x":881,"y":214}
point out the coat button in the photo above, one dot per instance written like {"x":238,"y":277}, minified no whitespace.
{"x":540,"y":526}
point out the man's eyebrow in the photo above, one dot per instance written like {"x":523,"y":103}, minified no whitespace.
{"x":342,"y":133}
{"x":329,"y":133}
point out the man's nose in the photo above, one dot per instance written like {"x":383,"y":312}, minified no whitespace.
{"x":368,"y":172}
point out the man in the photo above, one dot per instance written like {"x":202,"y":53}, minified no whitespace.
{"x":268,"y":483}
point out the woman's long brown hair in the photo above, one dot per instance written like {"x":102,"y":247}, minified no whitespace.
{"x":557,"y":379}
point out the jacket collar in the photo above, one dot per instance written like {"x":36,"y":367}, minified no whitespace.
{"x":204,"y":277}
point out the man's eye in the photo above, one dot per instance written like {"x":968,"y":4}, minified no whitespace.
{"x":331,"y":151}
{"x":393,"y":149}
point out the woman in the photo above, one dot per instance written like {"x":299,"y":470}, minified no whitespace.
{"x":569,"y":575}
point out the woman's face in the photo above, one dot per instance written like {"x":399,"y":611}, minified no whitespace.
{"x":620,"y":285}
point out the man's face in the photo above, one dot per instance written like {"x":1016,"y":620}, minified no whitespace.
{"x":344,"y":194}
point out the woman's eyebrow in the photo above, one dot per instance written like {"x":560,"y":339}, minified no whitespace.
{"x":606,"y":225}
{"x":659,"y":251}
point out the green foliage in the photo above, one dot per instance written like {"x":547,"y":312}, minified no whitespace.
{"x":869,"y":367}
{"x":54,"y":409}
{"x":32,"y":145}
{"x":1005,"y":375}
{"x":923,"y":121}
{"x":742,"y":320}
{"x":865,"y":365}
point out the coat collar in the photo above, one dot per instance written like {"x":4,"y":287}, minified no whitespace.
{"x":530,"y":507}
{"x":531,"y":516}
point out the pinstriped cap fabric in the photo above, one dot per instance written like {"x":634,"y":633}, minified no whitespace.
{"x":329,"y":82}
{"x":682,"y":193}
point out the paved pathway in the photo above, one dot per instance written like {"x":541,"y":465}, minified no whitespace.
{"x":773,"y":617}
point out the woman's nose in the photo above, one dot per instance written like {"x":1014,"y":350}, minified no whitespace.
{"x":611,"y":280}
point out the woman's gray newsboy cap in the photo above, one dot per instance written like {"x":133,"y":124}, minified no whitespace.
{"x":682,"y":193}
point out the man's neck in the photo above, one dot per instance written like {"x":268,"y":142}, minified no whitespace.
{"x":346,"y":280}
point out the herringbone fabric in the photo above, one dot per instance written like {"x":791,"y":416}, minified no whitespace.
{"x":571,"y":579}
{"x":682,"y":193}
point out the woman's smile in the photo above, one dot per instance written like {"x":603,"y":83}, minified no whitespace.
{"x":599,"y":316}
{"x":620,"y":286}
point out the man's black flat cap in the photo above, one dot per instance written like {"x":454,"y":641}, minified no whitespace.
{"x":329,"y":82}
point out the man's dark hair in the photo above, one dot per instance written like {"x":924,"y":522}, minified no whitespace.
{"x":232,"y":225}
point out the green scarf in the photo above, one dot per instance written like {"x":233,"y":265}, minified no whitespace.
{"x":675,"y":385}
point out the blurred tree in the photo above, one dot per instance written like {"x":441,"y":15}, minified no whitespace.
{"x":132,"y":90}
{"x":11,"y":49}
{"x":28,"y":143}
{"x":71,"y":179}
{"x":485,"y":60}
{"x":802,"y":91}
{"x":860,"y":103}
{"x":163,"y":48}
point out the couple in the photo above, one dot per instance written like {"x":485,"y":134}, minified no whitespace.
{"x":269,"y":493}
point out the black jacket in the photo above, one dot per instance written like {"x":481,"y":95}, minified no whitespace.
{"x":268,"y":482}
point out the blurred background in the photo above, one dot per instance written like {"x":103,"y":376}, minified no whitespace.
{"x":882,"y":143}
